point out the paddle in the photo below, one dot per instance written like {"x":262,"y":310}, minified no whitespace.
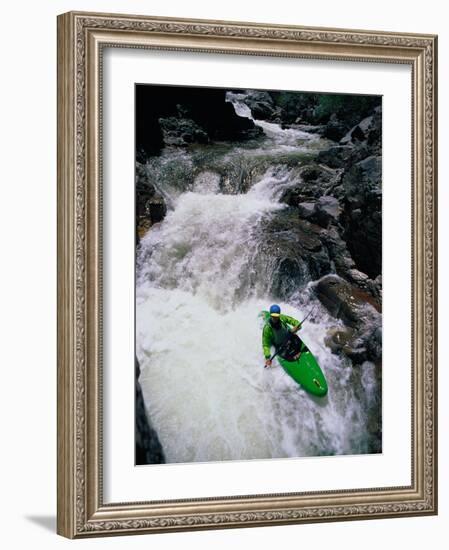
{"x":282,"y":348}
{"x":272,"y":357}
{"x":308,"y":315}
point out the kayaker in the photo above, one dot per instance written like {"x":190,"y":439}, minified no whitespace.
{"x":279,"y":331}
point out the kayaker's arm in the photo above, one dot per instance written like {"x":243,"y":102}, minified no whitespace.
{"x":266,"y":341}
{"x":296,"y":325}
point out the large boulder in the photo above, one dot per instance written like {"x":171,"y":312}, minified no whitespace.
{"x":368,"y":130}
{"x":306,"y":210}
{"x":310,"y":182}
{"x":334,"y":129}
{"x":261,"y":104}
{"x":358,"y":132}
{"x":327,"y":210}
{"x":323,"y":212}
{"x":293,"y":252}
{"x":361,"y":340}
{"x":337,"y":156}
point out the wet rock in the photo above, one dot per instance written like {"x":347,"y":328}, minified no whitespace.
{"x":182,"y":131}
{"x":375,"y":288}
{"x":336,"y":156}
{"x":363,"y":215}
{"x":336,"y":339}
{"x":344,"y":301}
{"x":294,"y":250}
{"x":148,"y":447}
{"x":335,"y":294}
{"x":238,"y":175}
{"x":338,"y":250}
{"x":306,"y":209}
{"x":364,"y":178}
{"x":313,"y":181}
{"x":356,"y":309}
{"x":151,"y":207}
{"x":157,"y":209}
{"x":367,"y":343}
{"x":261,"y":104}
{"x":358,"y":345}
{"x":374,"y":133}
{"x":313,"y":172}
{"x":374,"y":343}
{"x":366,"y":133}
{"x":361,"y":141}
{"x":355,"y":214}
{"x":359,"y":132}
{"x":327,"y":210}
{"x":363,"y":282}
{"x":357,"y":354}
{"x":334,"y":129}
{"x":357,"y":276}
{"x":226,"y":125}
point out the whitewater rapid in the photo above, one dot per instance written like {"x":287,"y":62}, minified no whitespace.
{"x":198,"y":337}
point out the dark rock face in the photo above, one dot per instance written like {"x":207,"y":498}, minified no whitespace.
{"x":362,"y":340}
{"x":182,"y":131}
{"x":341,"y":191}
{"x":335,"y":294}
{"x":363,"y":203}
{"x":261,"y":104}
{"x":312,"y":182}
{"x":178,"y":115}
{"x":369,"y":130}
{"x":338,"y":156}
{"x":150,"y":204}
{"x":295,"y":252}
{"x":358,"y":132}
{"x":306,"y":210}
{"x":328,"y":210}
{"x":148,"y":447}
{"x":334,"y":129}
{"x":338,"y":251}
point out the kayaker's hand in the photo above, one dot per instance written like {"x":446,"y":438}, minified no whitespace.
{"x":295,"y":329}
{"x":267,"y":363}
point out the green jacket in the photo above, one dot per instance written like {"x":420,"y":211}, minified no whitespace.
{"x":268,"y":333}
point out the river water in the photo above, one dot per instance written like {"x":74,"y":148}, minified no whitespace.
{"x":200,"y":288}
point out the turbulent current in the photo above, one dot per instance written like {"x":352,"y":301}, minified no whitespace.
{"x":201,"y":282}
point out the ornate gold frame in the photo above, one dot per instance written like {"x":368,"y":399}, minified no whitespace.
{"x":81,"y":37}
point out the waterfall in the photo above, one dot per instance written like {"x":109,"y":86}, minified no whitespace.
{"x":200,"y":287}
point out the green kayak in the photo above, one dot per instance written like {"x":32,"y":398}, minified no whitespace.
{"x":304,"y":370}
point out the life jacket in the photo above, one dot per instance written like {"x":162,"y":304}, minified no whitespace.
{"x":281,"y":334}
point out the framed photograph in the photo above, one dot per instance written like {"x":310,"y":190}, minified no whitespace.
{"x":246,"y":274}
